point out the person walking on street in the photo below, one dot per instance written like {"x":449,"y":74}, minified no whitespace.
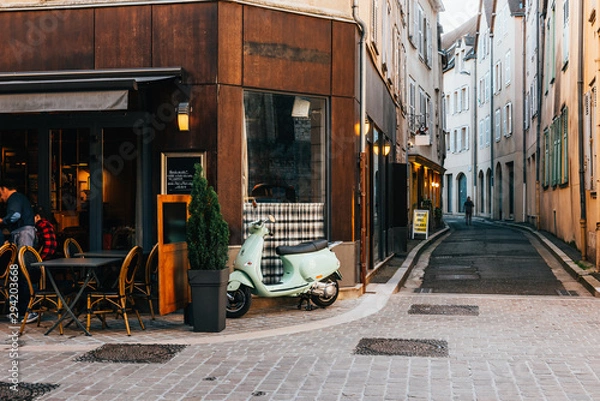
{"x":19,"y":215}
{"x":468,"y":210}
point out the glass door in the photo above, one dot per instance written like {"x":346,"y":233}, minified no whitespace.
{"x":120,"y":185}
{"x":68,"y":158}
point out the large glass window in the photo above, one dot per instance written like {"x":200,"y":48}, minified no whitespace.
{"x":285,"y":139}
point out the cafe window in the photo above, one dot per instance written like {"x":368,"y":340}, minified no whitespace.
{"x":284,"y":170}
{"x":285,"y":148}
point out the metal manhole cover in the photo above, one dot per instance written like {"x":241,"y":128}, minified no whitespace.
{"x":132,"y":353}
{"x":567,"y":293}
{"x":457,"y":276}
{"x":454,"y":310}
{"x":24,"y":391}
{"x":393,"y":346}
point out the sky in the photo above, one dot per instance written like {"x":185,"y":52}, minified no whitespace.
{"x":457,"y":12}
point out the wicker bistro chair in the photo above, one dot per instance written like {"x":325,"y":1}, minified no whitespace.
{"x":71,"y":247}
{"x":142,"y":286}
{"x":120,"y":299}
{"x":40,"y":299}
{"x":8,"y":256}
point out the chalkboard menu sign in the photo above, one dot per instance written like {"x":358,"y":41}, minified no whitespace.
{"x":178,"y":172}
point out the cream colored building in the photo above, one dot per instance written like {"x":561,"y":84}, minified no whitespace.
{"x":500,"y":193}
{"x":425,"y":141}
{"x":563,"y":197}
{"x":589,"y":118}
{"x":460,"y":104}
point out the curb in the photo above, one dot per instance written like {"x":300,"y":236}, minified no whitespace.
{"x":413,"y":256}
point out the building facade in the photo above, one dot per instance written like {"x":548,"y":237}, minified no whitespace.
{"x":460,"y":105}
{"x":283,"y":101}
{"x":425,"y":137}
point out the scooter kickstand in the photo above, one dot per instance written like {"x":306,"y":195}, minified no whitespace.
{"x":306,"y":298}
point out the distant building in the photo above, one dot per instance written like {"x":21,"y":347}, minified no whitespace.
{"x":460,"y":107}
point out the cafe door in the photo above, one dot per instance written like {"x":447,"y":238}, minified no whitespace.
{"x":173,"y":264}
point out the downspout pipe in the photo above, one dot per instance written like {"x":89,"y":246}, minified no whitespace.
{"x":493,"y":122}
{"x":363,"y":142}
{"x":580,"y":133}
{"x":541,"y":46}
{"x":476,"y":144}
{"x":362,"y":75}
{"x":524,"y":96}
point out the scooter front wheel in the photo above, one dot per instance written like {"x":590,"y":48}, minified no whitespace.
{"x":325,"y":302}
{"x":238,"y":301}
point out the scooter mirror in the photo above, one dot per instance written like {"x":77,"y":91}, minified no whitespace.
{"x":271,"y":218}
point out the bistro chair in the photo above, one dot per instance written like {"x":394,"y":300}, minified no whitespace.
{"x":120,"y":299}
{"x":142,"y":288}
{"x":8,"y":255}
{"x":40,"y":299}
{"x":71,"y":247}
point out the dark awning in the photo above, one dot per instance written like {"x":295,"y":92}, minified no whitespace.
{"x":79,"y":90}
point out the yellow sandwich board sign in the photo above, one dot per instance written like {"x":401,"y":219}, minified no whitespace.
{"x":420,"y":220}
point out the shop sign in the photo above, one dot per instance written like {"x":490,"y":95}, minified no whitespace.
{"x":420,"y":222}
{"x":177,"y":172}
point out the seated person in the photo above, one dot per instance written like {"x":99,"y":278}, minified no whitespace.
{"x":46,"y":243}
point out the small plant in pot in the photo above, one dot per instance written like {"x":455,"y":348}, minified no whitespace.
{"x":207,"y":237}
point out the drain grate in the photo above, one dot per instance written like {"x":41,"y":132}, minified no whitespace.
{"x":423,"y":290}
{"x":24,"y":391}
{"x":454,"y":310}
{"x":567,"y":293}
{"x":467,"y":276}
{"x":132,"y":353}
{"x":392,"y":346}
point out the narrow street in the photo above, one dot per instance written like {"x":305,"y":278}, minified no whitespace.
{"x":485,"y":258}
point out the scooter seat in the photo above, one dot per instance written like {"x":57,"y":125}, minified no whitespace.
{"x":304,"y":247}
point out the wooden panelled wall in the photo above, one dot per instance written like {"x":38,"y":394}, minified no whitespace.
{"x":223,"y":48}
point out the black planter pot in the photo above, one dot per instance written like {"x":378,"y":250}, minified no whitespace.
{"x":208,"y":309}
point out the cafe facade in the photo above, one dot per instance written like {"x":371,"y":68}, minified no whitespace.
{"x":105,"y":108}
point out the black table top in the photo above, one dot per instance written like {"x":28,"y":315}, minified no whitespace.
{"x":104,"y":253}
{"x":77,"y":262}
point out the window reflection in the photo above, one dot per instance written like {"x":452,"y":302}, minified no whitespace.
{"x":285,"y":139}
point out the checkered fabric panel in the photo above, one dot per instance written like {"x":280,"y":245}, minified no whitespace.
{"x":295,"y":223}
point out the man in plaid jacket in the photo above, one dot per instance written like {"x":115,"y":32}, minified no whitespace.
{"x":46,"y":237}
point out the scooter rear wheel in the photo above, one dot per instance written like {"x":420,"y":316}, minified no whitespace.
{"x":238,"y":302}
{"x":325,"y":302}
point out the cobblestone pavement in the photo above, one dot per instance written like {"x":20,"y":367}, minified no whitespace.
{"x":513,"y":348}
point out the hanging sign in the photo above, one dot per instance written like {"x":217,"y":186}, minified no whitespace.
{"x":420,"y":222}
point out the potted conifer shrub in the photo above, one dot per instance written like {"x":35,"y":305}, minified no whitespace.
{"x":207,"y":237}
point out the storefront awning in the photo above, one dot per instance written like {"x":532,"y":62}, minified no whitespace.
{"x":423,"y":161}
{"x":83,"y":90}
{"x":64,"y":101}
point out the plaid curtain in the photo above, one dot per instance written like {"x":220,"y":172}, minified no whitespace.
{"x":295,"y":223}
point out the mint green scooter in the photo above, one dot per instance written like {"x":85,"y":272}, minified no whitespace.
{"x":310,"y":271}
